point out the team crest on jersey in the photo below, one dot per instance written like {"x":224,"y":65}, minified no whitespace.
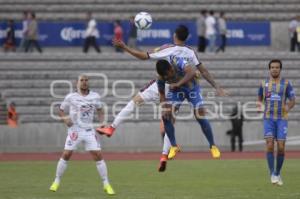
{"x":268,"y":94}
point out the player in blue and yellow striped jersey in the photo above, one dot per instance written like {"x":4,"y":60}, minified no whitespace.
{"x":276,"y":98}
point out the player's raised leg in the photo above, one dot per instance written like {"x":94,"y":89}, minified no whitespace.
{"x":123,"y":115}
{"x":164,"y":156}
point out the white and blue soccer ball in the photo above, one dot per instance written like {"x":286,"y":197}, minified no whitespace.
{"x":143,"y":20}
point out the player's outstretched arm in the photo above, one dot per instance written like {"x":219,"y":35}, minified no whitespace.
{"x":134,"y":52}
{"x":207,"y":76}
{"x":189,"y":74}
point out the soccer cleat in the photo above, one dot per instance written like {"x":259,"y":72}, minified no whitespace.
{"x":108,"y":131}
{"x":215,"y":152}
{"x":163,"y":163}
{"x":173,"y":151}
{"x":279,"y":182}
{"x":274,"y":179}
{"x":54,"y":187}
{"x":108,"y":189}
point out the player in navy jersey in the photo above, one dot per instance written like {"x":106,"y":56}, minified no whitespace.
{"x":172,"y":52}
{"x":273,"y":94}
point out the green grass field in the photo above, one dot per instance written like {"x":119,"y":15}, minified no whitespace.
{"x":184,"y":179}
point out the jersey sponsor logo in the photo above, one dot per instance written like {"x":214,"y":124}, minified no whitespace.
{"x":178,"y":61}
{"x":275,"y":97}
{"x":86,"y":108}
{"x":70,"y":143}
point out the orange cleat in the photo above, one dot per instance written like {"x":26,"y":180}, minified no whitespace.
{"x":108,"y":131}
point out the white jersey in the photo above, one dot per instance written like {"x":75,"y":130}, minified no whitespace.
{"x":210,"y":23}
{"x":82,"y":108}
{"x":172,"y":53}
{"x":92,"y":30}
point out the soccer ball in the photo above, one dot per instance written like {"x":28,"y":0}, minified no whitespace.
{"x":143,"y":20}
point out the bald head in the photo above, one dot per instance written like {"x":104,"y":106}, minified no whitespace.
{"x":83,"y":83}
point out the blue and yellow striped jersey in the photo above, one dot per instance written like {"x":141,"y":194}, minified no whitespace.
{"x":274,"y":96}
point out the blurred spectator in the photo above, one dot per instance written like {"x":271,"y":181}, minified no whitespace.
{"x":201,"y":29}
{"x":293,"y":34}
{"x":132,"y":34}
{"x":237,"y":119}
{"x":118,"y":33}
{"x":91,"y":34}
{"x":10,"y":40}
{"x":12,"y":116}
{"x":222,"y":30}
{"x":298,"y":33}
{"x":32,"y":33}
{"x":210,"y":23}
{"x":24,"y":39}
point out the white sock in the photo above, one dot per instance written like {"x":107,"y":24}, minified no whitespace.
{"x":102,"y":170}
{"x":60,"y":169}
{"x":124,"y":114}
{"x":167,"y":145}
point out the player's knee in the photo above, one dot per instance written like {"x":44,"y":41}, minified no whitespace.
{"x":199,"y":113}
{"x":280,"y":150}
{"x":66,"y":155}
{"x":137,"y":100}
{"x":97,"y":155}
{"x":168,"y":119}
{"x":270,"y":146}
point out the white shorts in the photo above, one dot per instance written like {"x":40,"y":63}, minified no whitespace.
{"x":88,"y":137}
{"x":149,"y":93}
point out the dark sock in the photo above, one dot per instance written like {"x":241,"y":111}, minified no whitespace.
{"x":170,"y":131}
{"x":270,"y":159}
{"x":206,"y":128}
{"x":279,"y":163}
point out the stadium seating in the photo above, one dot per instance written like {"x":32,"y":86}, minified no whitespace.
{"x":3,"y":111}
{"x":274,"y":10}
{"x":26,"y":79}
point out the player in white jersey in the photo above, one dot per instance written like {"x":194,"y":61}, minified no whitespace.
{"x":173,"y":53}
{"x":82,"y":105}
